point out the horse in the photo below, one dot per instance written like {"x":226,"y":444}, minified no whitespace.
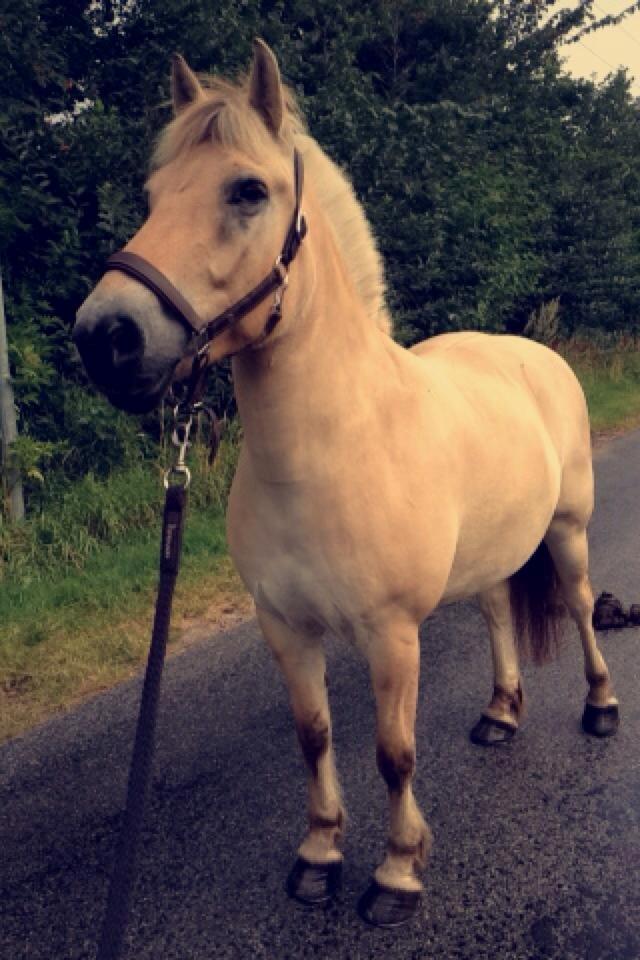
{"x":374,"y":482}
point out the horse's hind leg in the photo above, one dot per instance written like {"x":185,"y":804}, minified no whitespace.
{"x":567,"y":542}
{"x":499,"y":721}
{"x":394,"y":894}
{"x":315,"y":876}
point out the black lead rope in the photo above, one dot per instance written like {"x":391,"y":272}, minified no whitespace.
{"x":117,"y":912}
{"x":177,"y":482}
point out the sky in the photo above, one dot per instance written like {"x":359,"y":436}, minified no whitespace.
{"x":605,"y":50}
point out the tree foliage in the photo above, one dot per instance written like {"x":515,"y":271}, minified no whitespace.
{"x":494,"y":181}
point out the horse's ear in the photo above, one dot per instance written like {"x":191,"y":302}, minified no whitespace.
{"x":265,"y":89}
{"x":185,"y":86}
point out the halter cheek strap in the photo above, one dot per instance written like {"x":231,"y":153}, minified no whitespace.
{"x":202,"y":332}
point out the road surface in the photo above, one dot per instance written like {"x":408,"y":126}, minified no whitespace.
{"x":537,"y":845}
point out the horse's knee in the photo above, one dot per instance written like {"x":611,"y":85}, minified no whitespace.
{"x":396,"y":763}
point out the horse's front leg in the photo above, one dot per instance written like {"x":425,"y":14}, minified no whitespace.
{"x":316,"y":874}
{"x":395,"y":891}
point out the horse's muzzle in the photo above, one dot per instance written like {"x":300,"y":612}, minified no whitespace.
{"x":128,"y":347}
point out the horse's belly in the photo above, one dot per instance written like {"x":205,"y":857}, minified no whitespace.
{"x":504,"y":523}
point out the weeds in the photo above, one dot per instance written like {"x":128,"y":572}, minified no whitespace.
{"x":93,"y":513}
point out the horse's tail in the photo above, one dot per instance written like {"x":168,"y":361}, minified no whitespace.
{"x":536,"y":608}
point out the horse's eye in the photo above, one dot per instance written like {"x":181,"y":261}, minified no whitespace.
{"x":248,"y":192}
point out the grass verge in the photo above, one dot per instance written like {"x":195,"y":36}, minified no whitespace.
{"x":609,"y":370}
{"x":67,"y":637}
{"x":78,"y":580}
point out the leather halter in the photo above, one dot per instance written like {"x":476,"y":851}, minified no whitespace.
{"x":201,"y":331}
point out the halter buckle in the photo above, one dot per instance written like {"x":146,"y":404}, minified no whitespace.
{"x":301,"y":226}
{"x":280,"y":267}
{"x":280,"y":291}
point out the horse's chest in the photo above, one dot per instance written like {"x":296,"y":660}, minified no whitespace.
{"x":292,"y":591}
{"x":298,"y":562}
{"x":328,"y":558}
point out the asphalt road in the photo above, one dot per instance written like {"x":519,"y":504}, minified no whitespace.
{"x":537,"y":845}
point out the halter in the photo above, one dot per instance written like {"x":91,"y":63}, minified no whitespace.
{"x":202,"y":332}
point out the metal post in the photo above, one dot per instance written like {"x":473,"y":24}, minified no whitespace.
{"x":8,"y":428}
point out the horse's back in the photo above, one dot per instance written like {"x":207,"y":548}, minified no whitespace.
{"x":503,"y":374}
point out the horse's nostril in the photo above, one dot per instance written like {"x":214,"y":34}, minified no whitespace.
{"x":111,"y":347}
{"x":126,"y":341}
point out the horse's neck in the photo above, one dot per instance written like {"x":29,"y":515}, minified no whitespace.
{"x":295,"y":395}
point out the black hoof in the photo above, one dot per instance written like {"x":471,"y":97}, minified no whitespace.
{"x":600,"y":721}
{"x":490,"y":733}
{"x":314,"y":883}
{"x":383,"y":907}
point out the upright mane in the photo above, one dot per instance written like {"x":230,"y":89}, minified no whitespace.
{"x":224,"y":116}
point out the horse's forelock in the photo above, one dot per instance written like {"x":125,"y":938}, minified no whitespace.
{"x":225,"y":117}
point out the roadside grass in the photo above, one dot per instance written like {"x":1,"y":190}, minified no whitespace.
{"x":80,"y":521}
{"x":77,"y":582}
{"x":608,"y":368}
{"x":69,"y":636}
{"x":77,"y":585}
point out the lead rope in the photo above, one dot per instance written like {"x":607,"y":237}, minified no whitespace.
{"x":177,"y":480}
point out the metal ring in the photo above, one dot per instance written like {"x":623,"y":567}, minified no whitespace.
{"x":181,"y":470}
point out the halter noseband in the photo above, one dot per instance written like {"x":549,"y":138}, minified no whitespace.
{"x":202,"y":332}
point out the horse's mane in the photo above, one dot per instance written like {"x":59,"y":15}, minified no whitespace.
{"x":224,"y":116}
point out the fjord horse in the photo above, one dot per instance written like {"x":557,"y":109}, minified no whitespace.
{"x":374,"y":482}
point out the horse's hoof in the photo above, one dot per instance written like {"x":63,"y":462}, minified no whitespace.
{"x":314,"y":883}
{"x":601,"y":721}
{"x":491,"y":733}
{"x":383,"y":907}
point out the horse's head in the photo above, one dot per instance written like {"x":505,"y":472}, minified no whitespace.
{"x":221,"y":200}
